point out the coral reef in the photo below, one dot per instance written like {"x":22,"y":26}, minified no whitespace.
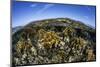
{"x":59,"y":40}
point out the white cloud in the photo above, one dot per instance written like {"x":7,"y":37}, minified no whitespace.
{"x":86,"y":17}
{"x":33,"y":5}
{"x":44,"y":8}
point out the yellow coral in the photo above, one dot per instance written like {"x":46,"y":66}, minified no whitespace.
{"x":49,"y":39}
{"x":91,"y":55}
{"x":23,"y":45}
{"x":68,"y":31}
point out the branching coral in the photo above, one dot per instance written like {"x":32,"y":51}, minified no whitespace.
{"x":78,"y":42}
{"x":69,"y":31}
{"x":23,"y":46}
{"x":49,"y":39}
{"x":90,"y":55}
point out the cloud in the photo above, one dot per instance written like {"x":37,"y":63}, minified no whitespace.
{"x":33,"y":5}
{"x":44,"y":8}
{"x":86,"y":17}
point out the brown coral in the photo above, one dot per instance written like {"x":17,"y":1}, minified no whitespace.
{"x":49,"y":39}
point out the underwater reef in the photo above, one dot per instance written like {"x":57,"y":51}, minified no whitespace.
{"x":49,"y":41}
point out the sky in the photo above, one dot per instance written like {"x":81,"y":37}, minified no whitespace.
{"x":25,"y":12}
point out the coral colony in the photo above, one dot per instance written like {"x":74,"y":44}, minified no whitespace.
{"x":57,"y":40}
